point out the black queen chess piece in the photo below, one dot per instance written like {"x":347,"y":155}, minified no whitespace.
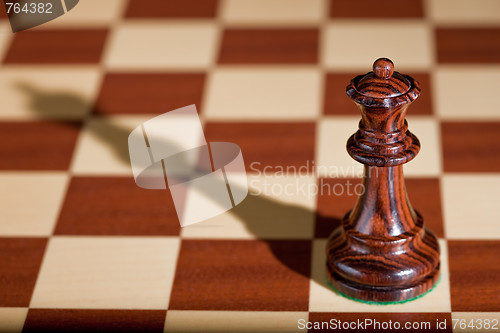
{"x":383,"y":252}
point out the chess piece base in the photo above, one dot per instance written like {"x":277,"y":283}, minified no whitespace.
{"x":383,"y":294}
{"x":360,"y":267}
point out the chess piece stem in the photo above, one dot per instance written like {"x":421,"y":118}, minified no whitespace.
{"x":382,"y":252}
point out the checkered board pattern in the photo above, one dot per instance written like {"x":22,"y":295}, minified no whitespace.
{"x":82,"y":248}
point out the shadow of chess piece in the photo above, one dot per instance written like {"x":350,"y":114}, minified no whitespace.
{"x":257,"y":212}
{"x":382,"y":252}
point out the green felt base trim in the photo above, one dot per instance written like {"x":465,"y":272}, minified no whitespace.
{"x":381,"y":303}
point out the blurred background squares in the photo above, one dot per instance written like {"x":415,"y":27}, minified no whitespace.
{"x":91,"y":13}
{"x":21,"y":259}
{"x":366,"y":9}
{"x":70,"y":46}
{"x":464,"y":12}
{"x":102,"y":145}
{"x":172,"y":9}
{"x":271,"y":12}
{"x":26,"y":93}
{"x":271,"y":46}
{"x":32,"y":200}
{"x":142,"y":45}
{"x":37,"y":145}
{"x":263,"y":93}
{"x":481,"y":85}
{"x":468,"y":45}
{"x":148,"y":93}
{"x":345,"y":45}
{"x":465,"y":149}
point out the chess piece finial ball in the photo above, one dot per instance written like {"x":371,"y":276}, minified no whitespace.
{"x":383,"y":68}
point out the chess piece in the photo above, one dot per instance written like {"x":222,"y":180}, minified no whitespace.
{"x":382,"y":251}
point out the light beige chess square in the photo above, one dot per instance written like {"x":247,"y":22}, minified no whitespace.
{"x":428,"y":161}
{"x":91,"y":13}
{"x":471,"y":322}
{"x":475,"y":96}
{"x":30,"y":202}
{"x":323,"y":299}
{"x":5,"y":27}
{"x":468,"y":206}
{"x":233,"y":321}
{"x":12,"y":319}
{"x":102,"y":147}
{"x":33,"y":92}
{"x":346,"y":44}
{"x":5,"y":37}
{"x":277,"y":207}
{"x":106,"y":273}
{"x":156,"y":46}
{"x":332,"y":159}
{"x":464,"y":12}
{"x":273,"y":12}
{"x":263,"y":93}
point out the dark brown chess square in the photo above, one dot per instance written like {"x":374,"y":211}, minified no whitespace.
{"x":3,"y":13}
{"x":336,"y":101}
{"x":115,"y":206}
{"x":71,"y":46}
{"x":127,"y":93}
{"x":468,"y":45}
{"x":337,"y":196}
{"x":171,"y":8}
{"x":423,"y":104}
{"x":37,"y":145}
{"x":73,"y":320}
{"x":20,"y":260}
{"x":425,"y":197}
{"x":401,"y":319}
{"x":245,"y":275}
{"x":269,"y":46}
{"x":376,"y":9}
{"x":268,"y":144}
{"x":471,"y":146}
{"x":474,"y":275}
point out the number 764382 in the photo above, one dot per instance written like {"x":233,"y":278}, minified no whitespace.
{"x":29,"y":8}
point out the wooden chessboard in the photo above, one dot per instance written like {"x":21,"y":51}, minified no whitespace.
{"x":82,"y":248}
